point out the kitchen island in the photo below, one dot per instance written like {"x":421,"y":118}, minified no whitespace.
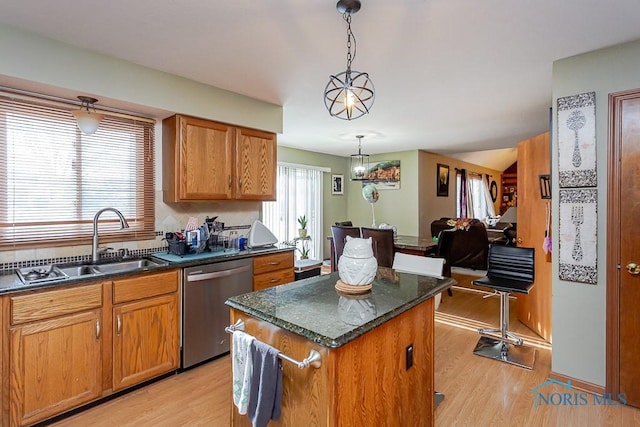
{"x":376,"y":349}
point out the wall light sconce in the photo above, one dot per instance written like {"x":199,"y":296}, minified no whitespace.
{"x":86,"y":119}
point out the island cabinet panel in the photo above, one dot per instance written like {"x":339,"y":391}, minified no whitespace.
{"x":272,"y":270}
{"x":55,"y":366}
{"x":365,"y":382}
{"x":305,"y":400}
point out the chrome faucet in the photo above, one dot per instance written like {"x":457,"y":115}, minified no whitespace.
{"x":95,"y":251}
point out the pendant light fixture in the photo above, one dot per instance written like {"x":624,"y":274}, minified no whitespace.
{"x":349,"y":94}
{"x":86,"y":119}
{"x":359,"y":165}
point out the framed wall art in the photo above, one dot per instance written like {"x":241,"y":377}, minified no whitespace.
{"x":577,"y":140}
{"x":385,"y":174}
{"x":442,"y":180}
{"x":337,"y":184}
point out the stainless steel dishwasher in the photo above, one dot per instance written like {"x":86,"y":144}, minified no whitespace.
{"x":206,"y":288}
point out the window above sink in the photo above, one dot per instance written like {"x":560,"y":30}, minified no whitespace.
{"x":57,"y":178}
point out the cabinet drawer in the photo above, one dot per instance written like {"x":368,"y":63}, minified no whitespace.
{"x":272,"y":262}
{"x":145,"y":286}
{"x":274,"y":278}
{"x":48,"y":304}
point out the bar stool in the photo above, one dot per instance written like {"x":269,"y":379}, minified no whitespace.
{"x":511,"y":269}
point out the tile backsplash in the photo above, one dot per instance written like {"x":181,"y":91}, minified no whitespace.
{"x":171,"y":217}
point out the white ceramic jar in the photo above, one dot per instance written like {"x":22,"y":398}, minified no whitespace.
{"x":357,"y":265}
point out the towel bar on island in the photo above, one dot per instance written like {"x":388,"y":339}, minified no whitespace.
{"x":314,"y":359}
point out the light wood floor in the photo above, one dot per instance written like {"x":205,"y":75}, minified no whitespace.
{"x":479,"y":391}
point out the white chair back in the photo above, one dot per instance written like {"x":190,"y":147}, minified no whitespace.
{"x":426,"y":266}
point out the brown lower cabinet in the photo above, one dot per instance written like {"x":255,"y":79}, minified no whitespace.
{"x":272,"y":270}
{"x":72,"y":345}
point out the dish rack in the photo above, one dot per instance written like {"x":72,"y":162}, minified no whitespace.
{"x":217,"y":242}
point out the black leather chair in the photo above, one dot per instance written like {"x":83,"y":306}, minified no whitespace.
{"x":339,"y":236}
{"x":382,"y":242}
{"x":511,"y":269}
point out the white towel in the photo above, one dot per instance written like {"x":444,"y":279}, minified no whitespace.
{"x":242,"y":369}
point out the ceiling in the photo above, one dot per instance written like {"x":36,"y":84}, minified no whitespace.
{"x":451,"y":76}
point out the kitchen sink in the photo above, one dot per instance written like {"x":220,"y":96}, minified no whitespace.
{"x":60,"y":273}
{"x":79,"y":270}
{"x":123,"y":266}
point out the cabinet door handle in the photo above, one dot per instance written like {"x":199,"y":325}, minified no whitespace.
{"x":97,"y":329}
{"x":229,"y":181}
{"x":119,"y":325}
{"x":240,"y":182}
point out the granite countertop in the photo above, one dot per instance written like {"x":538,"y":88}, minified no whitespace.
{"x":11,"y":283}
{"x":312,"y":307}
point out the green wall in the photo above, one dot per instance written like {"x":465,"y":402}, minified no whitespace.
{"x":395,"y":207}
{"x":579,"y":310}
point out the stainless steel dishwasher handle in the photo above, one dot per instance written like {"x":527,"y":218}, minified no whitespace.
{"x":216,"y":274}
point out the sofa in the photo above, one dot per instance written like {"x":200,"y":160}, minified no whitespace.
{"x":466,"y":246}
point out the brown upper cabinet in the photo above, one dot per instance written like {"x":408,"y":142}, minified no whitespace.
{"x":205,"y":160}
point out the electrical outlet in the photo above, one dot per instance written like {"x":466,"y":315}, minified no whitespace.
{"x":409,"y":356}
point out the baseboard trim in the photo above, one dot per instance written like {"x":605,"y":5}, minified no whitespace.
{"x":578,"y":384}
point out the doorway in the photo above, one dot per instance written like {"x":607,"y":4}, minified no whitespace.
{"x":623,"y":247}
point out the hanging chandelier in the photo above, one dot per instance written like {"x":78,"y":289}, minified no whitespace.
{"x":349,"y":94}
{"x":359,"y":164}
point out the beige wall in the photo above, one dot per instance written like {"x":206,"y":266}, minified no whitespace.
{"x":432,"y":207}
{"x":579,"y":310}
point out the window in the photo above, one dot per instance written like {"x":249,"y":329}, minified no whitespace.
{"x":54,"y":178}
{"x":473,"y":199}
{"x":299,"y":193}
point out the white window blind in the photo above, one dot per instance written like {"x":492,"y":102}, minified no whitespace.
{"x":299,"y":193}
{"x":54,"y":178}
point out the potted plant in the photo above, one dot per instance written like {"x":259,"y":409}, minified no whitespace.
{"x":302,"y":221}
{"x":304,"y":250}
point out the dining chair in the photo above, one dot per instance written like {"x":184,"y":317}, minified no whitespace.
{"x":339,"y":235}
{"x":382,"y":241}
{"x":344,"y":223}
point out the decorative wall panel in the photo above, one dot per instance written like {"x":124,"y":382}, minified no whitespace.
{"x":578,"y":235}
{"x":577,"y":140}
